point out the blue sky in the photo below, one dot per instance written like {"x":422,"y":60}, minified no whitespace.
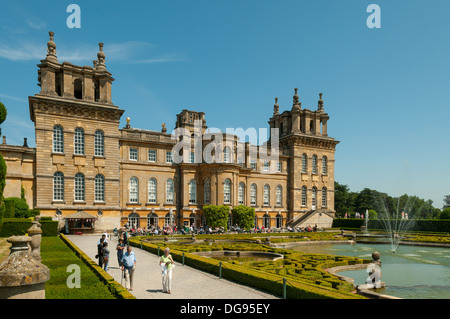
{"x":386,"y":90}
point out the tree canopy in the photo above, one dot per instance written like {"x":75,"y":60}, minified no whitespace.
{"x":346,"y":201}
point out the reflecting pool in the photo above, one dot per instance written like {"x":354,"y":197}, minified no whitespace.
{"x":413,"y":272}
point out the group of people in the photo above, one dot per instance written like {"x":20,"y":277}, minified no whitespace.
{"x":304,"y":229}
{"x":126,"y":259}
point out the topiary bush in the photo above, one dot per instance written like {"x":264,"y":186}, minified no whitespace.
{"x":16,"y":207}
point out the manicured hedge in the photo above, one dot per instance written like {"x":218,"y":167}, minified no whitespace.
{"x":311,"y":285}
{"x":429,"y":225}
{"x":19,"y":227}
{"x":117,"y":289}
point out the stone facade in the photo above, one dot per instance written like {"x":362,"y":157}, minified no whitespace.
{"x":84,"y":161}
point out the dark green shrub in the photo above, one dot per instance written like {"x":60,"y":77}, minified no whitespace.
{"x":16,"y":207}
{"x":445,"y":214}
{"x":19,"y":226}
{"x":2,"y":175}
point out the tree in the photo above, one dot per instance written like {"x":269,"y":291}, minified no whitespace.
{"x":445,"y":214}
{"x":244,"y":217}
{"x":3,"y":114}
{"x":446,"y":201}
{"x":343,"y":199}
{"x":216,"y":216}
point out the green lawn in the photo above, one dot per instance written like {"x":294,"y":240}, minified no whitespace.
{"x":57,"y":257}
{"x":4,"y":249}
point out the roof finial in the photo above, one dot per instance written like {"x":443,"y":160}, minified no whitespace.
{"x":101,"y":57}
{"x":51,"y":47}
{"x":296,"y":104}
{"x":320,"y":102}
{"x":276,"y":107}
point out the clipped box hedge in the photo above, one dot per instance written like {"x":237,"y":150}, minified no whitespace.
{"x":264,"y":279}
{"x":19,"y":227}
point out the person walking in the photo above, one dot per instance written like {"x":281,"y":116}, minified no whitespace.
{"x":166,"y":263}
{"x":128,"y":266}
{"x":100,"y":252}
{"x":105,"y":256}
{"x":120,"y":248}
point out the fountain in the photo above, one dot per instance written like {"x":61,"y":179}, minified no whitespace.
{"x":396,"y":223}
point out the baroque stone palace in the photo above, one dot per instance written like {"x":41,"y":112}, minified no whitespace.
{"x":85,"y":165}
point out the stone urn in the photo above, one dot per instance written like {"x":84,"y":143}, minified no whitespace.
{"x":35,"y":232}
{"x":21,"y":275}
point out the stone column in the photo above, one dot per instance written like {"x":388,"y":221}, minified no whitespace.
{"x":21,"y":275}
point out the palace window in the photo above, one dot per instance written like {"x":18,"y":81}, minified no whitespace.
{"x":78,"y":89}
{"x":266,"y":195}
{"x":99,"y":143}
{"x":279,"y":221}
{"x":324,"y":165}
{"x":314,"y":164}
{"x":169,"y":157}
{"x":79,"y":187}
{"x":266,"y":166}
{"x":304,"y":163}
{"x":241,"y":193}
{"x":133,"y":220}
{"x":227,"y":191}
{"x":226,"y":155}
{"x":314,"y":197}
{"x":279,"y":194}
{"x":152,"y":220}
{"x":58,"y":139}
{"x":304,"y":202}
{"x":192,"y":192}
{"x":279,"y":166}
{"x":133,"y":154}
{"x":207,"y":191}
{"x":324,"y":197}
{"x":79,"y":141}
{"x":253,"y":164}
{"x":253,"y":194}
{"x":99,"y":188}
{"x":58,"y":186}
{"x":152,"y":190}
{"x":134,"y":190}
{"x":170,"y":191}
{"x":266,"y":221}
{"x":152,"y":155}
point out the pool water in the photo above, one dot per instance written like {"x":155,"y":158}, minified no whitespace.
{"x":412,"y":272}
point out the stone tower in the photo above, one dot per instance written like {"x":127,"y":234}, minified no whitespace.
{"x":303,"y":136}
{"x":77,"y":138}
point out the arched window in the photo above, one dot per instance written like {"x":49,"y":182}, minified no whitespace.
{"x":314,"y":164}
{"x":79,"y":187}
{"x":226,"y":155}
{"x":192,"y":219}
{"x":279,"y":196}
{"x":134,"y":190}
{"x":192,"y":192}
{"x":324,"y":165}
{"x":152,"y":190}
{"x":152,"y":220}
{"x":266,"y":195}
{"x":79,"y":141}
{"x":99,"y":188}
{"x":266,"y":221}
{"x":304,"y":163}
{"x":279,"y":221}
{"x":253,"y":194}
{"x":241,"y":193}
{"x":324,"y":197}
{"x":58,"y":139}
{"x":170,"y":191}
{"x":207,"y":191}
{"x":314,"y":197}
{"x":78,"y":89}
{"x":304,"y":202}
{"x":58,"y":186}
{"x":133,"y":220}
{"x":169,"y":219}
{"x":227,"y":191}
{"x":99,"y":143}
